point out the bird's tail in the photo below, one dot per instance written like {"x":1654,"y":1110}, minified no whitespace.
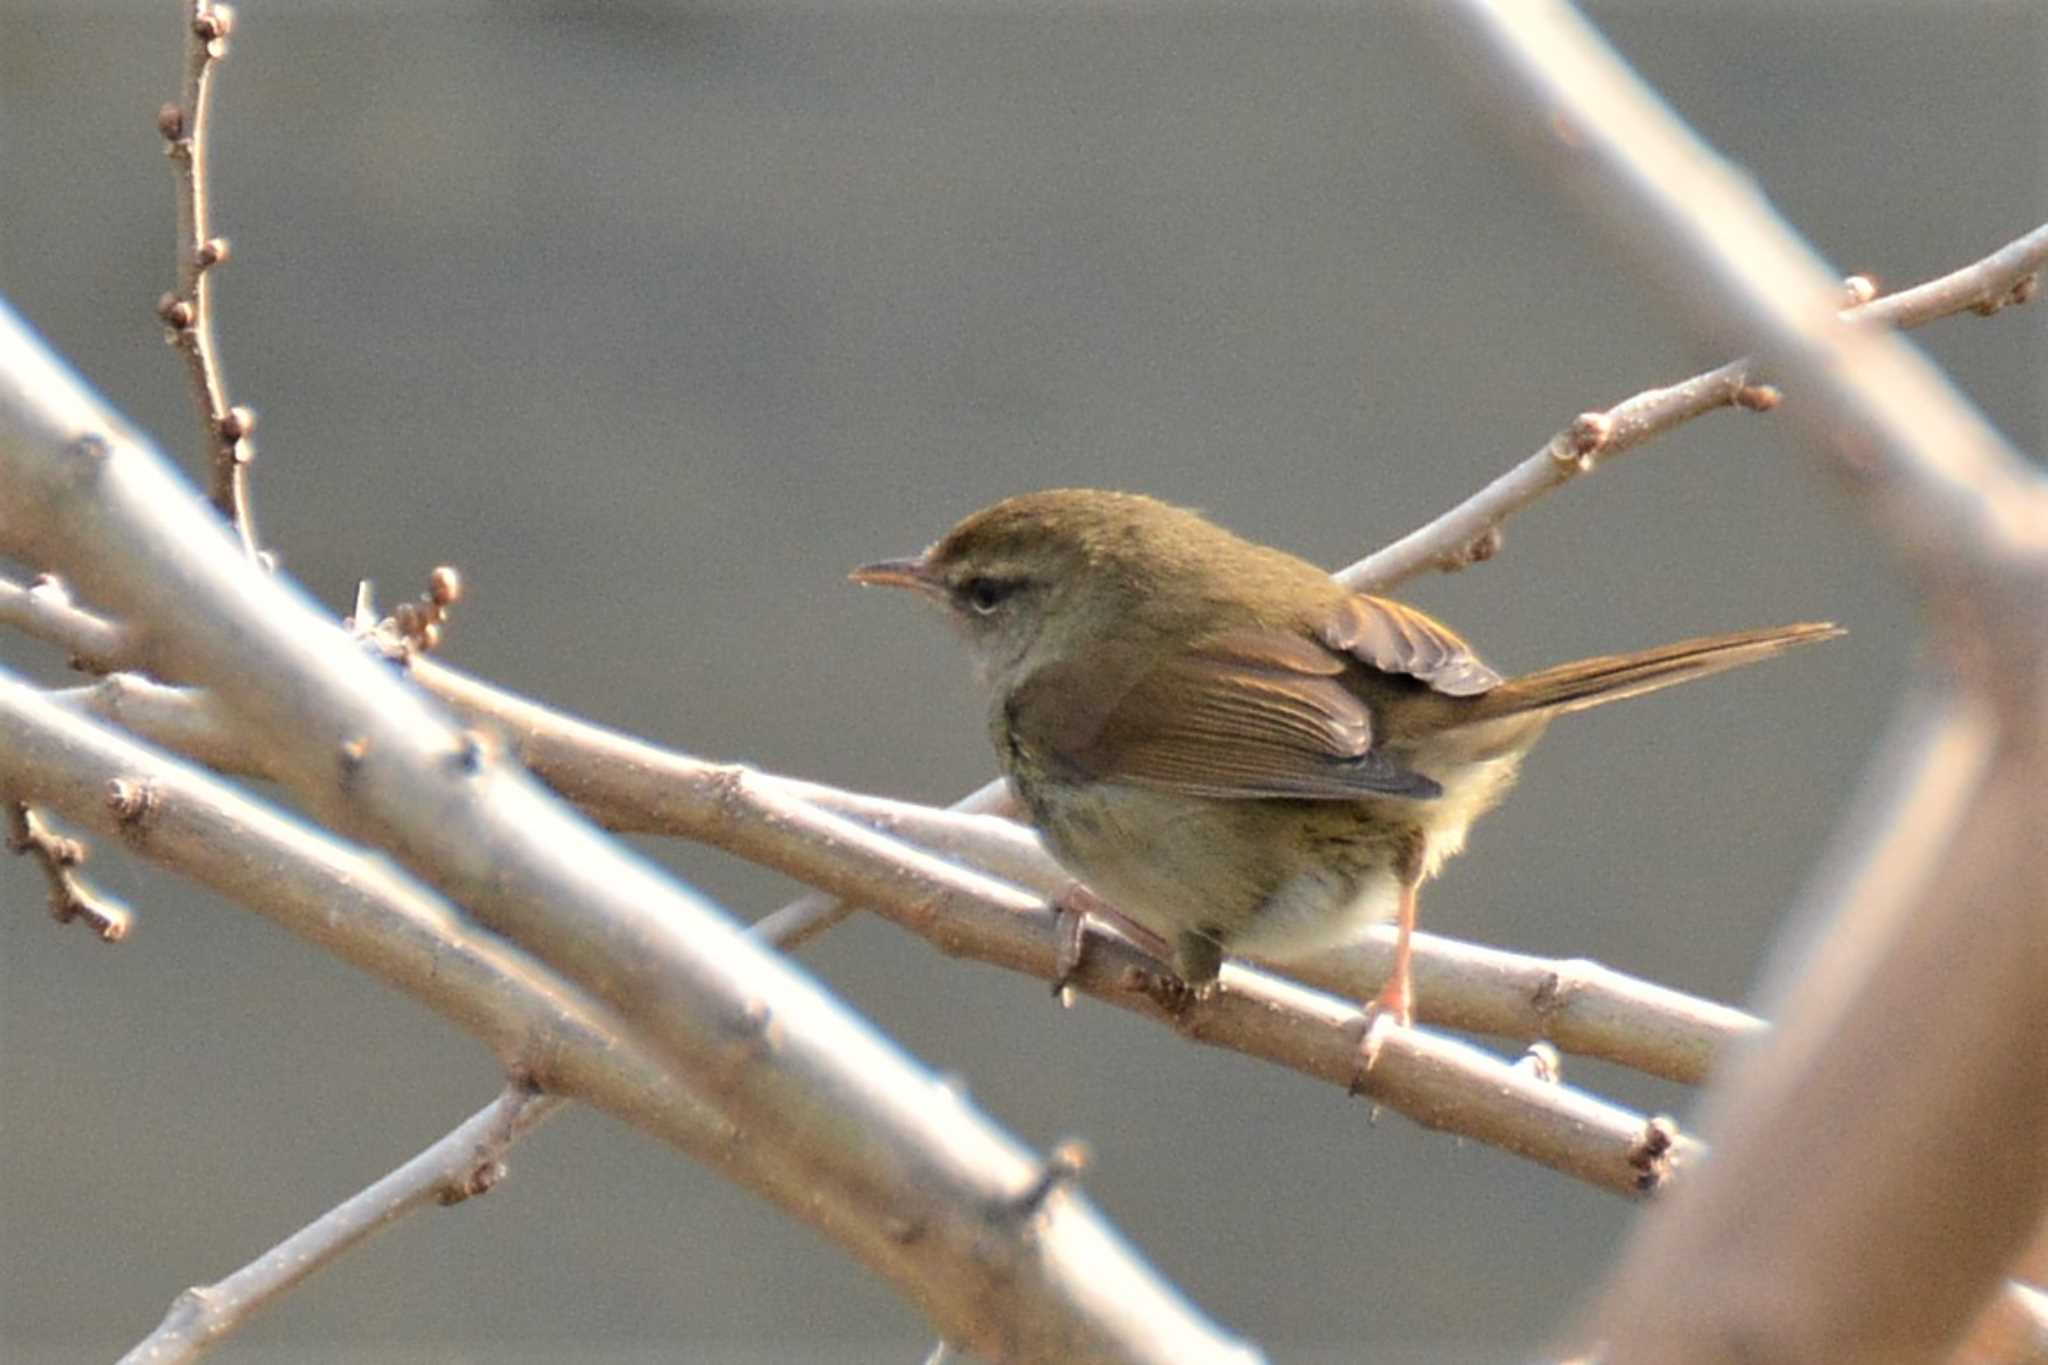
{"x":1610,"y":677}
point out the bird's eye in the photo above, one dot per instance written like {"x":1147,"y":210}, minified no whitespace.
{"x":984,"y":595}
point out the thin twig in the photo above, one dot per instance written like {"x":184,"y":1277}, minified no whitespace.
{"x":71,"y":896}
{"x":1579,"y":1005}
{"x":183,"y":720}
{"x":187,"y":312}
{"x":1471,"y":531}
{"x":465,"y":1163}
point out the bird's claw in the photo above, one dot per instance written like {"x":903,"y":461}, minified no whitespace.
{"x":1071,"y":913}
{"x":1380,"y":1017}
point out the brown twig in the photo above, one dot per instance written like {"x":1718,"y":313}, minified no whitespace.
{"x":1471,"y":531}
{"x":71,"y":896}
{"x":466,"y":1162}
{"x":1434,"y":1080}
{"x":187,"y":311}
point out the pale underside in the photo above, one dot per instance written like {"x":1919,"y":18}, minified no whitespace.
{"x":1281,"y":879}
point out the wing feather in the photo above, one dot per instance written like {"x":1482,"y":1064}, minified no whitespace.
{"x":1250,"y":714}
{"x":1393,"y":638}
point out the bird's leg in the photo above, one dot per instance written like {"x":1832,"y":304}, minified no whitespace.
{"x":1395,"y":1004}
{"x":1198,"y":958}
{"x":1397,"y":997}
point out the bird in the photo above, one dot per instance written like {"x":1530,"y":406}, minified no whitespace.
{"x":1234,"y":751}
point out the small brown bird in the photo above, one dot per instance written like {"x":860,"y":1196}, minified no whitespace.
{"x":1238,"y":753}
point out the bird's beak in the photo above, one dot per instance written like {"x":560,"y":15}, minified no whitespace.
{"x":899,"y":573}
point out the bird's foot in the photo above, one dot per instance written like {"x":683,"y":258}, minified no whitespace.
{"x":1071,"y":925}
{"x":1071,"y":910}
{"x":1074,"y":909}
{"x":1396,"y":1001}
{"x":1392,"y":1008}
{"x":1171,"y":991}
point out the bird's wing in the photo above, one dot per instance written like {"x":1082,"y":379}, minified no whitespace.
{"x":1385,"y":635}
{"x":1249,"y":713}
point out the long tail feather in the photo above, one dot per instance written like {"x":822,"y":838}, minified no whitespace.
{"x":1593,"y":682}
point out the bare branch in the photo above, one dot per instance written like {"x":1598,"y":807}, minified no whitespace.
{"x":1909,"y":1047}
{"x":1582,"y":1007}
{"x":628,"y":784}
{"x":1579,"y":1005}
{"x":465,"y":1163}
{"x":377,"y":918}
{"x":184,"y":720}
{"x":1435,"y":1081}
{"x":1470,"y":531}
{"x":1440,"y":1083}
{"x":187,"y":313}
{"x":815,"y":1088}
{"x":71,"y":896}
{"x":44,"y":611}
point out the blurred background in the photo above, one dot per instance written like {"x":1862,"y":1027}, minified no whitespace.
{"x":655,"y":319}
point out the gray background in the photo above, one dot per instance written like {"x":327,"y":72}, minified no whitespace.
{"x":654,"y":320}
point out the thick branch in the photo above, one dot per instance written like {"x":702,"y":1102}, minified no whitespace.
{"x":1909,"y":1050}
{"x":1436,"y":1081}
{"x":628,"y":784}
{"x":44,"y":610}
{"x":365,"y":912}
{"x":818,"y":1089}
{"x":963,"y":913}
{"x":1580,"y":1006}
